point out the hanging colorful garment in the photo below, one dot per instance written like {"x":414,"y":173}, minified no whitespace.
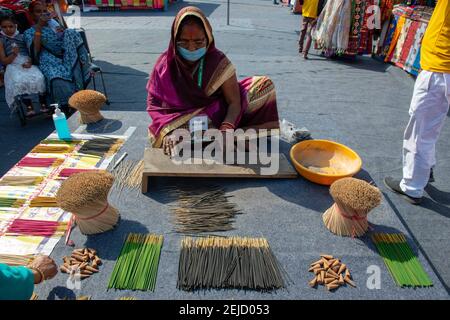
{"x":400,"y":23}
{"x":333,"y":27}
{"x":357,"y":17}
{"x":415,"y":49}
{"x":407,"y":45}
{"x":401,"y":41}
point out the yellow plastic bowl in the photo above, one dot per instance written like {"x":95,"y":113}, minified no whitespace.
{"x":324,"y":162}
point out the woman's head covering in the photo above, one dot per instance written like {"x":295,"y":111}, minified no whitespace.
{"x":171,"y":80}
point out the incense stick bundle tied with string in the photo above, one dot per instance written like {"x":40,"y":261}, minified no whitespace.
{"x":219,"y":263}
{"x":354,"y":199}
{"x":39,"y":162}
{"x":88,"y":103}
{"x":85,"y":195}
{"x":41,"y":148}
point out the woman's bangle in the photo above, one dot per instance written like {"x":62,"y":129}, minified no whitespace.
{"x":41,"y":274}
{"x":228,"y":125}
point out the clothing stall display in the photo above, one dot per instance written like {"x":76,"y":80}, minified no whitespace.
{"x":129,"y":4}
{"x":404,"y":38}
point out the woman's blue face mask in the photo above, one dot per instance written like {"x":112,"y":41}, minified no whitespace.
{"x":192,"y":55}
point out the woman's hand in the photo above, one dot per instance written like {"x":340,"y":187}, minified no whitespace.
{"x":16,"y":50}
{"x":43,"y":268}
{"x":169,"y":143}
{"x":27,"y":65}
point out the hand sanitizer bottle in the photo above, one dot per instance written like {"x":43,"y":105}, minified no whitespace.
{"x":62,"y":128}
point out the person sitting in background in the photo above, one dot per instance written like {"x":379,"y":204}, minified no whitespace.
{"x":311,"y":9}
{"x":193,"y":78}
{"x":21,"y":77}
{"x":17,"y":283}
{"x":60,"y":54}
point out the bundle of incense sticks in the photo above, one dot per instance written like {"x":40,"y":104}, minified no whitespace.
{"x":57,"y":141}
{"x":42,"y":148}
{"x":39,"y":162}
{"x":16,"y":260}
{"x":240,"y":263}
{"x":137,"y":265}
{"x":67,"y":172}
{"x":11,"y":202}
{"x":101,"y":146}
{"x":36,"y":228}
{"x":43,"y":202}
{"x":401,"y":261}
{"x":206,"y":209}
{"x":18,"y":181}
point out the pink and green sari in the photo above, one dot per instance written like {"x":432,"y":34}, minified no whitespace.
{"x":174,"y":96}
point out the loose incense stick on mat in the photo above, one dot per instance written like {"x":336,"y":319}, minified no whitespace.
{"x":43,"y":202}
{"x":241,"y":263}
{"x":41,"y":148}
{"x":137,"y":265}
{"x":202,"y":210}
{"x":39,"y":162}
{"x":128,"y":174}
{"x":16,"y":260}
{"x":100,"y":146}
{"x":401,"y":261}
{"x":19,"y":181}
{"x":34,"y":297}
{"x":11,"y":202}
{"x":38,"y":228}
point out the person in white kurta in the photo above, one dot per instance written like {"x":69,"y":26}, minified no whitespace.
{"x":429,"y":108}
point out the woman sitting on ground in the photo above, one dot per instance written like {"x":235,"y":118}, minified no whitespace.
{"x":193,"y":78}
{"x":60,"y":54}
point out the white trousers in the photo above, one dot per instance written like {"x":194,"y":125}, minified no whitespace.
{"x":428,"y":111}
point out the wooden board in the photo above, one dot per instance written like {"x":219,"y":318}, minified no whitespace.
{"x":157,"y":164}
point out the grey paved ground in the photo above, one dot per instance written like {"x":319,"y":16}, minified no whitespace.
{"x":361,"y":103}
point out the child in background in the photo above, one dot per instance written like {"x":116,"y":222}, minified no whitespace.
{"x":21,"y":77}
{"x":310,"y":11}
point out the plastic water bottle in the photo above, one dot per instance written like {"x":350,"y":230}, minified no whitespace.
{"x":62,"y":128}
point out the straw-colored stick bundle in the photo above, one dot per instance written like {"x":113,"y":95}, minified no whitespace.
{"x":137,"y":265}
{"x":202,"y":210}
{"x":101,"y":146}
{"x":39,"y":162}
{"x":401,"y":261}
{"x":42,"y":148}
{"x":11,"y":202}
{"x":127,"y":298}
{"x":86,"y":196}
{"x":88,"y":103}
{"x":34,"y":296}
{"x":16,"y":260}
{"x":330,"y":272}
{"x":354,"y":199}
{"x":219,"y":263}
{"x":20,"y":181}
{"x":38,"y":228}
{"x":45,"y":202}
